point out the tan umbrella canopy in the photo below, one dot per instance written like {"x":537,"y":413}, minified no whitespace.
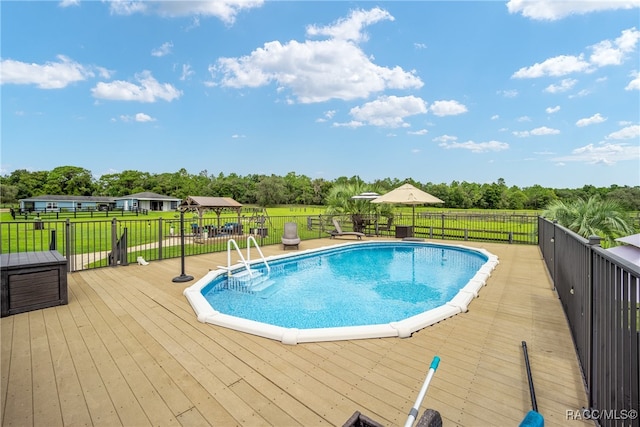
{"x":407,"y":194}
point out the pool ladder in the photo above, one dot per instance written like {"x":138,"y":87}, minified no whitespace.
{"x":245,"y":261}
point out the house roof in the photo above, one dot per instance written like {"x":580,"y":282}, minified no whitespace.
{"x":147,"y":195}
{"x":64,"y":198}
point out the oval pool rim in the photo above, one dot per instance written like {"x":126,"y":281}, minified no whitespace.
{"x":404,"y":328}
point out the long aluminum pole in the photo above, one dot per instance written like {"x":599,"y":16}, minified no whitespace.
{"x":413,"y":413}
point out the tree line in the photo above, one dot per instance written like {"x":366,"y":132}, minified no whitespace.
{"x":271,"y":190}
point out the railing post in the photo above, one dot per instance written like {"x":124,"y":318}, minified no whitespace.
{"x":160,"y":237}
{"x":113,"y":259}
{"x":593,"y":338}
{"x":71,"y":265}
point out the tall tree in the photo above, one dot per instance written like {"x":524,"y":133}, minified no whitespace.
{"x":69,"y":180}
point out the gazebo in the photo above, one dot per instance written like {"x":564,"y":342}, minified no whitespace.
{"x":216,"y":204}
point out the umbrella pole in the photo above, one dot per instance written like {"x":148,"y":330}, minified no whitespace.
{"x":413,"y":219}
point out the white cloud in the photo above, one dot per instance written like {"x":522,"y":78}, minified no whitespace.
{"x":556,"y":66}
{"x":544,"y":131}
{"x":225,"y":10}
{"x":352,"y":27}
{"x":541,"y":131}
{"x":625,"y":133}
{"x":68,"y":3}
{"x":508,"y":93}
{"x":148,"y":90}
{"x":552,"y":10}
{"x":524,"y":119}
{"x":127,"y":7}
{"x":634,"y":84}
{"x":142,"y":117}
{"x":186,"y":72}
{"x":476,"y":147}
{"x":445,"y":138}
{"x":328,"y":115}
{"x":352,"y":124}
{"x":50,"y":75}
{"x":317,"y":71}
{"x":596,"y":118}
{"x":565,"y":85}
{"x":495,"y":117}
{"x":604,"y":53}
{"x":580,"y":94}
{"x":418,"y":132}
{"x":389,"y":111}
{"x":420,"y":45}
{"x":163,"y":50}
{"x":614,"y":52}
{"x":604,"y":153}
{"x":551,"y":110}
{"x":447,"y":108}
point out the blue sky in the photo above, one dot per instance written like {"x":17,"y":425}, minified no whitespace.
{"x":543,"y":92}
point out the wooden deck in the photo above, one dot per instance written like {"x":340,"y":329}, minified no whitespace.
{"x":128,"y":350}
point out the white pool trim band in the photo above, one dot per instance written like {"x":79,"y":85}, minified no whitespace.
{"x":403,"y":329}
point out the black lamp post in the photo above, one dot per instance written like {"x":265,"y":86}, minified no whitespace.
{"x":182,"y":277}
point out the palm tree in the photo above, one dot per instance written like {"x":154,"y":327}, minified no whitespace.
{"x":340,"y":201}
{"x":592,"y":217}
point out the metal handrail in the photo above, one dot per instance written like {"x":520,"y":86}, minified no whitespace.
{"x":246,"y":264}
{"x":255,"y":243}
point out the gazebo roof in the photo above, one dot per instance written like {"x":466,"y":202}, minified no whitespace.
{"x":213,"y":203}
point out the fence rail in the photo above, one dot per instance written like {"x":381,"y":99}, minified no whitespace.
{"x":600,"y":294}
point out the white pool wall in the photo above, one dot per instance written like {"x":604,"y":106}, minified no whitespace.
{"x":403,"y":329}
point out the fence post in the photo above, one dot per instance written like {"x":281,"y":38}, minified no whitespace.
{"x":511,"y":237}
{"x":52,"y":241}
{"x":113,"y":259}
{"x":160,"y":237}
{"x":71,"y":265}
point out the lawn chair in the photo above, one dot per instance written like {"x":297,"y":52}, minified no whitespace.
{"x":290,"y":236}
{"x":338,"y":231}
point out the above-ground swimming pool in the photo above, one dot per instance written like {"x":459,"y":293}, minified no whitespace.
{"x":354,"y":290}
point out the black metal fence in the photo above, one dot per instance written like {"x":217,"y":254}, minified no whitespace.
{"x":118,"y":241}
{"x":600,"y":294}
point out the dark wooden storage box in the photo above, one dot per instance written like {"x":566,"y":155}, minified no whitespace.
{"x":32,"y":280}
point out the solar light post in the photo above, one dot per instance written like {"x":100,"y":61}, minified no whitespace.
{"x":182,"y":277}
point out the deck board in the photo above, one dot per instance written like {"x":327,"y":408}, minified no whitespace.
{"x":128,"y":350}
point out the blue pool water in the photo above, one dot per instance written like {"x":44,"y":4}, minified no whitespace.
{"x":348,"y":286}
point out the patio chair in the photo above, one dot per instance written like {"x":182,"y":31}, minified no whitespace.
{"x":290,"y":236}
{"x":338,"y":231}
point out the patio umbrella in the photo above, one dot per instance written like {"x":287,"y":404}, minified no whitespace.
{"x":407,"y":194}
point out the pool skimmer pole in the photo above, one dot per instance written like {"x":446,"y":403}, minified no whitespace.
{"x":413,"y":413}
